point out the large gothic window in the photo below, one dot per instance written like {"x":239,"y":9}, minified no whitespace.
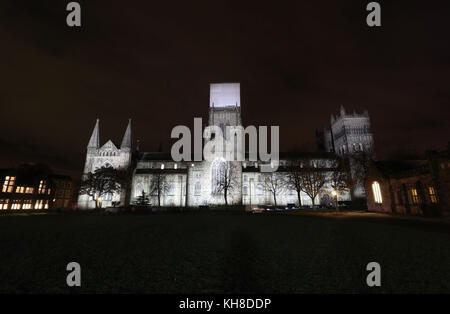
{"x":218,"y":169}
{"x":138,"y":190}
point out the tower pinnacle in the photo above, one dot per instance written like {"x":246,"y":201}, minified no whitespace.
{"x":94,"y":141}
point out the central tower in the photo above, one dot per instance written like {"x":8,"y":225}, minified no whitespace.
{"x":225,"y":105}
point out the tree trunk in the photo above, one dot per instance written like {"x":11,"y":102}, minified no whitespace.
{"x":225,"y":195}
{"x":299,"y":199}
{"x":313,"y":202}
{"x":275,"y":199}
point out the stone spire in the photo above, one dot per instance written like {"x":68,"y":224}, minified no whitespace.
{"x":126,"y":141}
{"x":94,"y":142}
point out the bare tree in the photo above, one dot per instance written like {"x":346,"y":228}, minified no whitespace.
{"x":275,"y":184}
{"x":340,"y":178}
{"x":358,"y":164}
{"x":159,"y":186}
{"x":293,"y":178}
{"x":226,"y":179}
{"x":312,"y":178}
{"x":103,"y":181}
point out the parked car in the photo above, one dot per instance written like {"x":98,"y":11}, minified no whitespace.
{"x":112,"y":210}
{"x":255,"y":209}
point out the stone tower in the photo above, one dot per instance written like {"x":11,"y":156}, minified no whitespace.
{"x":107,"y":155}
{"x":224,"y":112}
{"x":352,"y":137}
{"x":352,"y":133}
{"x":225,"y":105}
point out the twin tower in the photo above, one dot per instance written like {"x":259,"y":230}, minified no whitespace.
{"x":108,"y":155}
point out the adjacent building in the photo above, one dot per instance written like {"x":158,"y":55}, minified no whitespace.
{"x":33,"y":186}
{"x":412,"y":187}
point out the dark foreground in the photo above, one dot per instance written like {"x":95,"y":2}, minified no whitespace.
{"x":221,"y":253}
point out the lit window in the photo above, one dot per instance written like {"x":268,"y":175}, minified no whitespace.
{"x":175,"y":166}
{"x":162,"y":166}
{"x":377,"y":192}
{"x":39,"y":204}
{"x":415,"y":196}
{"x":29,"y":190}
{"x":4,"y":204}
{"x":42,"y":187}
{"x":20,"y":189}
{"x":8,"y":184}
{"x":16,"y":204}
{"x":27,"y":204}
{"x":432,"y":193}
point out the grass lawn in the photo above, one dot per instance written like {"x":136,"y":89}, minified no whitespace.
{"x":216,"y":252}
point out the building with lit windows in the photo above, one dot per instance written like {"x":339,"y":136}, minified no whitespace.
{"x":411,"y":187}
{"x":33,"y":186}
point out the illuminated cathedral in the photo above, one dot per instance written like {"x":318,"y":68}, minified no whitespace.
{"x":192,"y":183}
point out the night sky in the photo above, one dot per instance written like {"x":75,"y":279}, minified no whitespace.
{"x":152,"y":61}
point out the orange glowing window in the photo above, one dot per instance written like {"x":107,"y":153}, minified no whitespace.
{"x":8,"y":184}
{"x":432,"y":194}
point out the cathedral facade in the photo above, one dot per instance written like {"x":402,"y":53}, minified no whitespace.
{"x":194,"y":183}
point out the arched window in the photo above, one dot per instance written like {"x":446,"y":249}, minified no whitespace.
{"x":138,"y":190}
{"x":259,"y":190}
{"x":245,"y":190}
{"x":197,"y":188}
{"x":108,"y":165}
{"x":171,"y":190}
{"x":377,"y":192}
